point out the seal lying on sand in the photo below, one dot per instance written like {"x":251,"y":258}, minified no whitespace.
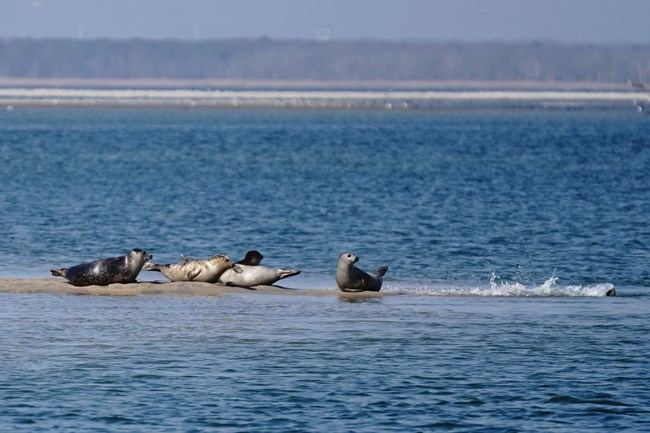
{"x":102,"y":272}
{"x":248,"y":272}
{"x":349,"y":278}
{"x":204,"y":270}
{"x":255,"y":275}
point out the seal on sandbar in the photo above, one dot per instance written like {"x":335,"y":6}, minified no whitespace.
{"x":102,"y":272}
{"x":203,"y":270}
{"x":249,"y":273}
{"x":349,"y":278}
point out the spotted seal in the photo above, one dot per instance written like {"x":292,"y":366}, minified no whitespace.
{"x":349,"y":278}
{"x":102,"y":272}
{"x":203,"y":270}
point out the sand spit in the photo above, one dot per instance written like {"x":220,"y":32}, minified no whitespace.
{"x":62,"y":287}
{"x":303,"y":99}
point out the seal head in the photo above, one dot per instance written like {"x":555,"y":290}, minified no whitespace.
{"x":253,"y":258}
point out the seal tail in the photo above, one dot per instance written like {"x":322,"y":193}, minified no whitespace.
{"x":151,"y":267}
{"x":285,"y":273}
{"x":59,"y":272}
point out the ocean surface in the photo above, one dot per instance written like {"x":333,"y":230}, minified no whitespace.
{"x":502,"y":230}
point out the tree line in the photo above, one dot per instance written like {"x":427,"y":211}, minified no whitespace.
{"x":348,"y":60}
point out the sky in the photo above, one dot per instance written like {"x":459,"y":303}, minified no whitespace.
{"x":569,"y":21}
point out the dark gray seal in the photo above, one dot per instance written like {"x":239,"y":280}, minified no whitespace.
{"x":349,"y":278}
{"x":102,"y":272}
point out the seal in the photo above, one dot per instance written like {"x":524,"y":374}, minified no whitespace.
{"x":255,"y":275}
{"x":349,"y":278}
{"x":249,"y":273}
{"x":203,"y":270}
{"x":102,"y":272}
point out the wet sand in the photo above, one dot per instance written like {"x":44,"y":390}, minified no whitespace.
{"x":62,"y":287}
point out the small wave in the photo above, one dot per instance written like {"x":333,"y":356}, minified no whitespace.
{"x":549,"y":288}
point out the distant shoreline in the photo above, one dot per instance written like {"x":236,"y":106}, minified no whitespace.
{"x":392,"y":99}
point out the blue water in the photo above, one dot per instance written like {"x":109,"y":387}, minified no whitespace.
{"x":502,"y":231}
{"x":440,"y":198}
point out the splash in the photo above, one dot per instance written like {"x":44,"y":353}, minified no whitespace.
{"x":548,"y":288}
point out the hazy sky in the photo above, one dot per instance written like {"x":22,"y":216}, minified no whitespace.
{"x":466,"y":20}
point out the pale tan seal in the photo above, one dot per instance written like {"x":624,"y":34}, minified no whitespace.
{"x":203,"y":270}
{"x":249,"y":273}
{"x":102,"y":272}
{"x":349,"y":278}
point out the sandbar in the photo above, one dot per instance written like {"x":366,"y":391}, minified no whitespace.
{"x":62,"y":287}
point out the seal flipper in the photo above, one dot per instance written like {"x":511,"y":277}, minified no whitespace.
{"x":152,"y":267}
{"x":380,"y":271}
{"x":285,"y":273}
{"x":186,"y":258}
{"x":193,"y":274}
{"x":59,"y":272}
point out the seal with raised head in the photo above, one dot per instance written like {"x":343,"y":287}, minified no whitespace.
{"x":102,"y":272}
{"x":249,"y":273}
{"x":203,"y":270}
{"x":349,"y":278}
